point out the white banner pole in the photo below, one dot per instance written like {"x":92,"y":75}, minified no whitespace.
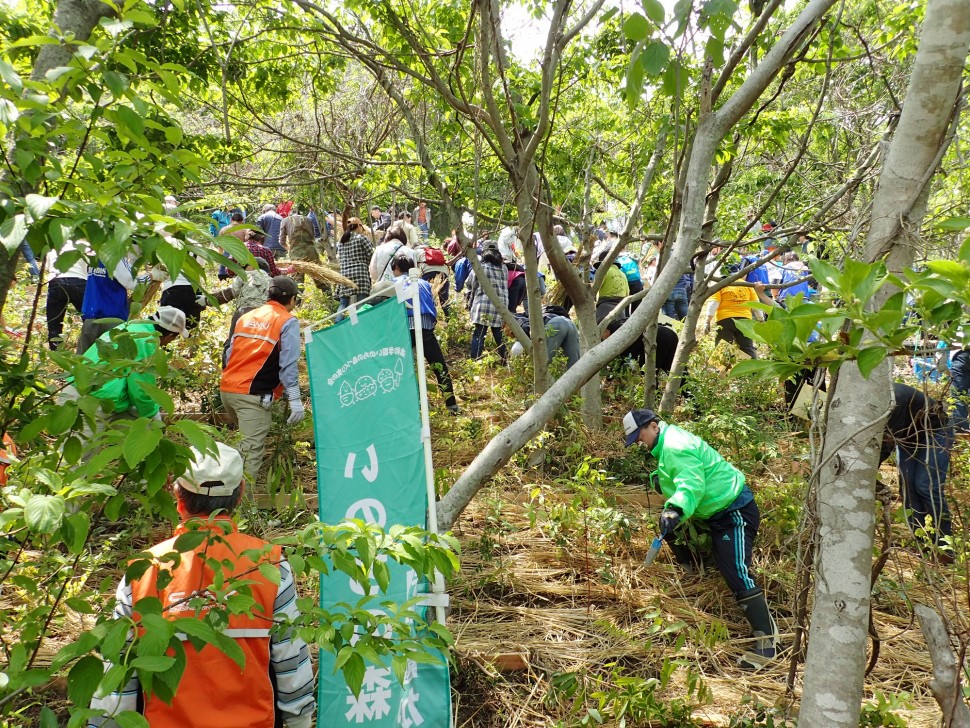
{"x":438,"y":587}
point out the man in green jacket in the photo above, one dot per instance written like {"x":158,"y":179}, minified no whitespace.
{"x":123,"y":396}
{"x":698,"y":483}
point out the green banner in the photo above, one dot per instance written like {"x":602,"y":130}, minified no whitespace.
{"x":370,"y":465}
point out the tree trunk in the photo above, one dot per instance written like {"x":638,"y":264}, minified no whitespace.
{"x":710,"y":132}
{"x":71,"y":17}
{"x":945,"y":684}
{"x":834,"y":669}
{"x":533,"y":215}
{"x":857,"y":412}
{"x":589,"y":336}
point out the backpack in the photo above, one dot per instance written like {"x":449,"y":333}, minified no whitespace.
{"x":629,"y":267}
{"x":433,"y":256}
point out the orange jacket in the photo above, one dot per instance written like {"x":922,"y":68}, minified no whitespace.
{"x":214,"y":692}
{"x":6,"y":450}
{"x":254,"y":359}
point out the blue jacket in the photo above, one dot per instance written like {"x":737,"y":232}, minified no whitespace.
{"x":759,"y":274}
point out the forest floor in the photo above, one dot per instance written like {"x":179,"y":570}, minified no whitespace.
{"x":552,"y":571}
{"x":556,"y":619}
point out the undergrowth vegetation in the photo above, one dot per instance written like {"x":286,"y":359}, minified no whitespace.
{"x":552,"y":549}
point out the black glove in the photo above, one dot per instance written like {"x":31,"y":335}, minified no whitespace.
{"x":669,"y":520}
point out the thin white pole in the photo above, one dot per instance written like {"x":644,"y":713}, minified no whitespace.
{"x":439,"y":586}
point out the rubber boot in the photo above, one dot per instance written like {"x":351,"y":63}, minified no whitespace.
{"x":755,"y":608}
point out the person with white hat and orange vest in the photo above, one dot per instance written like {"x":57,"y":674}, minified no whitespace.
{"x":275,"y":684}
{"x":261,"y":363}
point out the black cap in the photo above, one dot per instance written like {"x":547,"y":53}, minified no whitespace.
{"x":285,"y":286}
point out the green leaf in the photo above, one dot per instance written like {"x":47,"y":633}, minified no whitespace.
{"x":157,"y":395}
{"x":654,"y":57}
{"x":131,"y":719}
{"x":869,"y":358}
{"x":116,"y":82}
{"x":44,"y":513}
{"x":83,"y":679}
{"x":189,"y":541}
{"x":142,"y":439}
{"x":764,"y":368}
{"x":270,"y":572}
{"x":382,"y":575}
{"x":826,"y":274}
{"x":75,"y":530}
{"x":47,"y":718}
{"x":953,"y":224}
{"x":608,"y":14}
{"x":158,"y":632}
{"x":654,"y":10}
{"x":62,"y":418}
{"x":230,"y":647}
{"x":12,"y":78}
{"x":675,"y":79}
{"x":173,"y":257}
{"x":82,"y":606}
{"x":38,"y":205}
{"x":634,"y":78}
{"x":9,"y":113}
{"x":948,"y":269}
{"x":237,"y":249}
{"x":153,"y":663}
{"x":13,"y":230}
{"x":130,"y":121}
{"x":198,"y":628}
{"x":196,"y":434}
{"x":636,"y":27}
{"x":353,"y":671}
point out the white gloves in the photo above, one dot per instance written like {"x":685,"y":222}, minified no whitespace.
{"x":157,"y":416}
{"x":296,"y":412}
{"x":201,"y":300}
{"x":159,"y":273}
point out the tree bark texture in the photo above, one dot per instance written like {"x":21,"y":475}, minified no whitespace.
{"x":77,"y":18}
{"x":857,"y":412}
{"x":834,"y":669}
{"x":945,"y":684}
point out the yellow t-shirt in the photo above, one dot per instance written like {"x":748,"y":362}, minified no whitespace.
{"x":732,"y":302}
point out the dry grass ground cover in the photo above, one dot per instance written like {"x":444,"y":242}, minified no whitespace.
{"x":553,"y":584}
{"x":556,"y":620}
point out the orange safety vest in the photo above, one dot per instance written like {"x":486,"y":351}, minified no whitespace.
{"x":254,"y":363}
{"x":214,"y":692}
{"x":6,"y":450}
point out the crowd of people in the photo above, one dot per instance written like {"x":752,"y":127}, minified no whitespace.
{"x":260,"y":364}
